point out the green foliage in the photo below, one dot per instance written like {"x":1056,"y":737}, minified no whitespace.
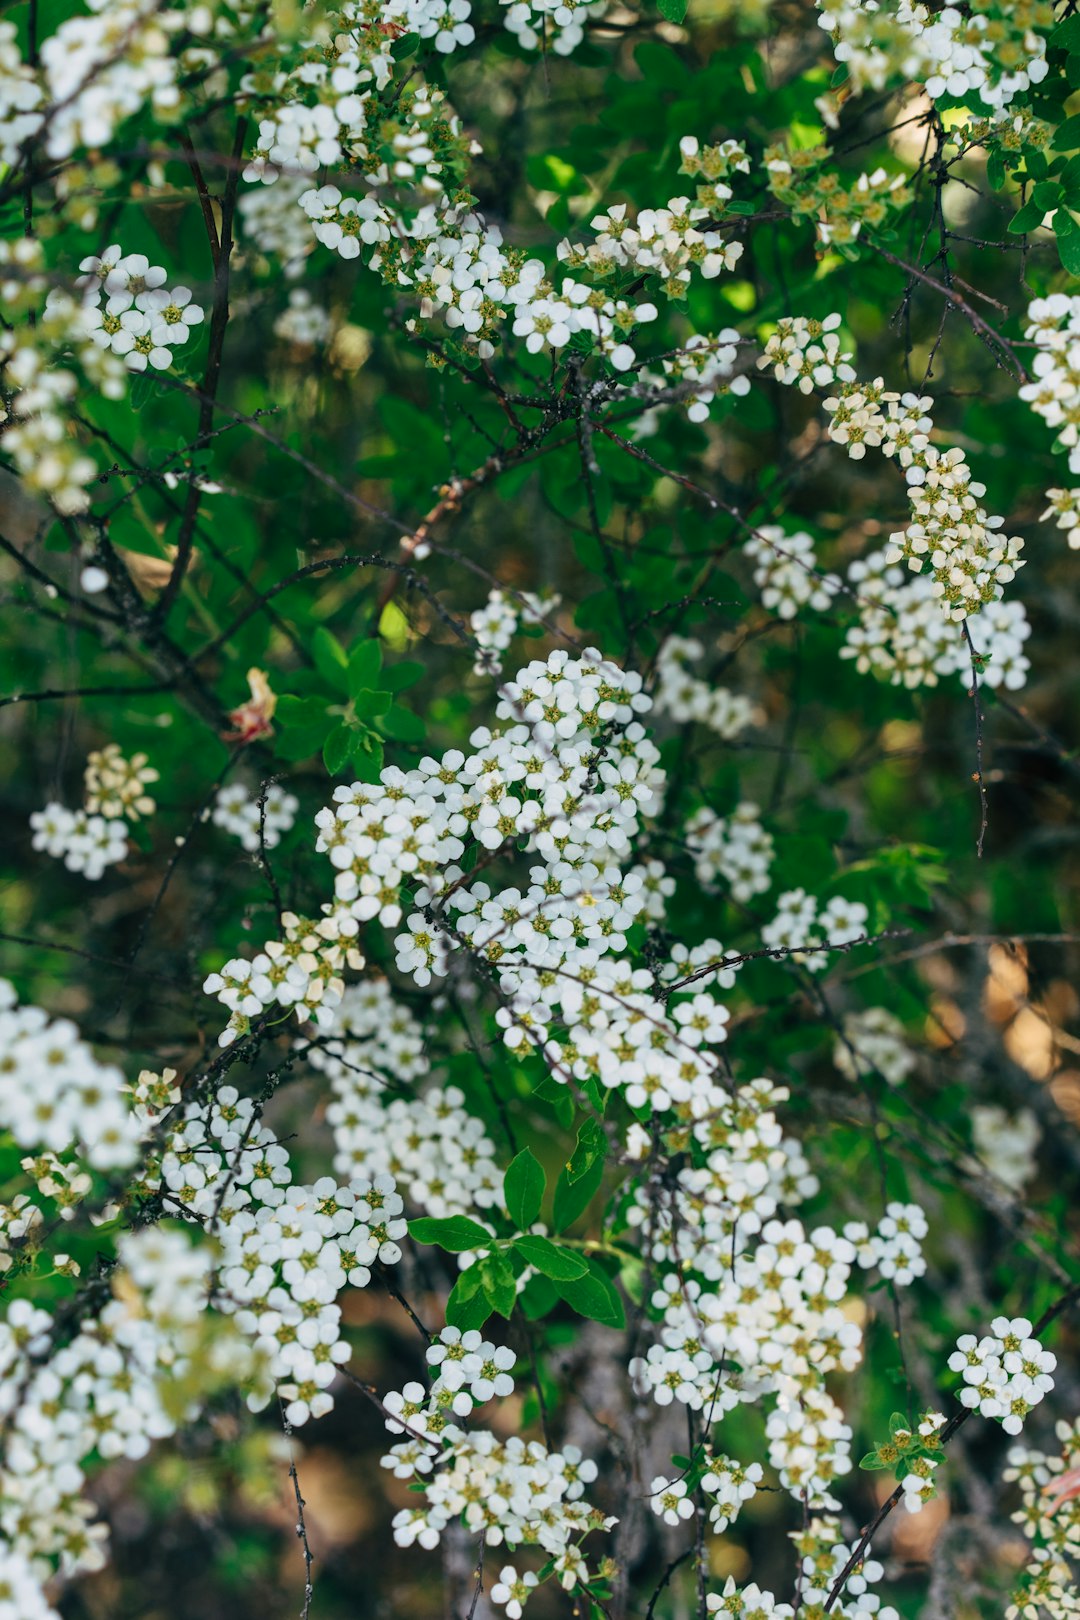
{"x":362,"y":714}
{"x":523,"y":1189}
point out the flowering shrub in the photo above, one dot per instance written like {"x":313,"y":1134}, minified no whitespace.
{"x":538,"y":737}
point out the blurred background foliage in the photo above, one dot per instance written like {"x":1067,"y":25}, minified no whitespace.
{"x":863,"y":785}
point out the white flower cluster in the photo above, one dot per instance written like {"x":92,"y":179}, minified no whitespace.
{"x":1053,"y":325}
{"x":346,"y":224}
{"x":131,"y":312}
{"x":1064,"y":507}
{"x":895,"y":1248}
{"x":689,"y":700}
{"x":54,"y":1094}
{"x":497,"y":623}
{"x":21,"y":1595}
{"x":664,"y":242}
{"x":123,"y":321}
{"x":287,"y":1251}
{"x":303,"y":322}
{"x":1006,"y":1373}
{"x":85,"y":843}
{"x":21,"y":96}
{"x":968,"y":560}
{"x":438,"y":1153}
{"x":806,"y":354}
{"x":270,"y":216}
{"x":786,"y":570}
{"x":467,"y":1371}
{"x":822,"y":1556}
{"x":122,"y":1381}
{"x":95,"y":71}
{"x":22,"y":1217}
{"x":566,"y":783}
{"x":457,"y":267}
{"x":903,"y":635}
{"x":989,"y":54}
{"x":706,"y":365}
{"x":729,"y":1485}
{"x":752,"y":1305}
{"x":471,"y":1365}
{"x":444,"y":22}
{"x":322,"y":116}
{"x":236,"y":810}
{"x":557,"y":25}
{"x":301,"y":973}
{"x":751,"y":1601}
{"x":734,"y":850}
{"x":874,"y":1043}
{"x":116,"y":787}
{"x":508,"y":1492}
{"x":41,"y":360}
{"x":1049,"y":1516}
{"x":1005,"y":1142}
{"x":96,"y":836}
{"x":799,"y":923}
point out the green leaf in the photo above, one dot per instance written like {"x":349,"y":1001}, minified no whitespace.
{"x":363,"y":665}
{"x":330,"y":658}
{"x":561,"y":1265}
{"x":1067,"y":136}
{"x":500,"y":1284}
{"x":523,"y":1189}
{"x":995,"y":170}
{"x":337,"y":748}
{"x":572,"y":1198}
{"x":538,"y":1298}
{"x":301,"y":711}
{"x":1067,"y":233}
{"x":468,"y":1305}
{"x":368,"y":758}
{"x":295,"y":745}
{"x":1066,"y":36}
{"x":673,"y":10}
{"x":403,"y":725}
{"x":591,"y":1145}
{"x":369,"y":705}
{"x":558,"y":1099}
{"x":142,"y":389}
{"x":453,"y":1232}
{"x":1029,"y":218}
{"x":1047,"y":194}
{"x":399,"y":676}
{"x":597,"y":1094}
{"x":594,"y":1296}
{"x":304,"y":726}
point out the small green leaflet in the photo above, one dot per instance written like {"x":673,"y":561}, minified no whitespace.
{"x":573,"y":1197}
{"x":594,"y":1296}
{"x":1067,"y":233}
{"x":561,"y":1265}
{"x":523,"y":1189}
{"x":363,"y":666}
{"x":330,"y":659}
{"x":673,"y":10}
{"x":453,"y":1232}
{"x":591,"y":1145}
